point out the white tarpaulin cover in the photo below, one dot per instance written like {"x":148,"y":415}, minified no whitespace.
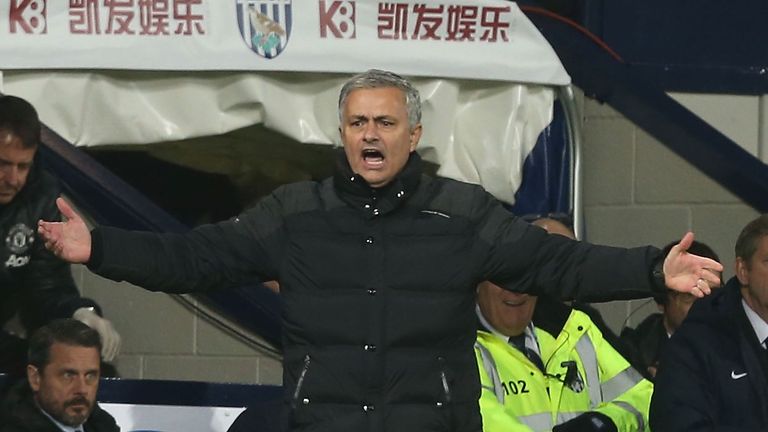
{"x":477,"y":131}
{"x":475,"y":39}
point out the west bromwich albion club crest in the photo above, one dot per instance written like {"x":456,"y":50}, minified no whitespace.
{"x":20,"y":238}
{"x":265,"y":25}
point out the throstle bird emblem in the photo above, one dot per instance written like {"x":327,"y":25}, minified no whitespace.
{"x":265,"y":25}
{"x":267,"y":32}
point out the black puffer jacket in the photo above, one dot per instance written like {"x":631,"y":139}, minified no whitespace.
{"x":33,"y":283}
{"x":712,"y":375}
{"x":378,"y":288}
{"x":19,"y":413}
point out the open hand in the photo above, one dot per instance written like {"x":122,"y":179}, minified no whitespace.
{"x":689,"y":273}
{"x":69,"y":240}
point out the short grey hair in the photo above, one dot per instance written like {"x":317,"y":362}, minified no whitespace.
{"x":375,"y":78}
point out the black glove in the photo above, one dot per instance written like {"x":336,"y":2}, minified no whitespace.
{"x":588,"y":422}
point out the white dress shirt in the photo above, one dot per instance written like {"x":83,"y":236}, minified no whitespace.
{"x":760,"y":326}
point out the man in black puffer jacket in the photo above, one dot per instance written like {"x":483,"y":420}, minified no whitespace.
{"x":35,"y":285}
{"x":377,"y":269}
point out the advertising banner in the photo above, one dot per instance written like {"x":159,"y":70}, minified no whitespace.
{"x":478,"y":39}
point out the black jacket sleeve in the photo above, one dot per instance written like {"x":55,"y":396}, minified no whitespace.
{"x":522,"y":257}
{"x":243,"y":249}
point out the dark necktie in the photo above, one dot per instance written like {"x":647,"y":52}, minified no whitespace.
{"x":519,"y":343}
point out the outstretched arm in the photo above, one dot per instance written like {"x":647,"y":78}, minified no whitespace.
{"x":69,"y":240}
{"x":226,"y":254}
{"x":690,"y":273}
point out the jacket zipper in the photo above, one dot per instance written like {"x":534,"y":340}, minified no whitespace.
{"x":300,"y":381}
{"x":444,"y":380}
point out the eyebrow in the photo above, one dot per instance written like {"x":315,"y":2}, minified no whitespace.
{"x":75,"y":371}
{"x":10,"y":162}
{"x":375,"y":118}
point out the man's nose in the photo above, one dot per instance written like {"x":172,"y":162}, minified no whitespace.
{"x":11,"y":175}
{"x":371,"y":133}
{"x":81,"y":386}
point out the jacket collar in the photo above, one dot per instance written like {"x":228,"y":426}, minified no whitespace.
{"x":752,"y":352}
{"x":356,"y":192}
{"x":722,"y":306}
{"x":551,"y":315}
{"x":19,"y":409}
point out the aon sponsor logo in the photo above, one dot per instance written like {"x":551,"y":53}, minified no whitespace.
{"x":17,"y":261}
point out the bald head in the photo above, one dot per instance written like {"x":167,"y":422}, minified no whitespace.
{"x":554,"y":227}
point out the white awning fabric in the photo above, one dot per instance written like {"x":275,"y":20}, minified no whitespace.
{"x":477,"y":131}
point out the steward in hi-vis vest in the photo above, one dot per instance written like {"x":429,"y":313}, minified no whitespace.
{"x":578,"y":381}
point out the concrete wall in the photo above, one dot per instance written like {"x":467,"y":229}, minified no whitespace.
{"x":162,"y":339}
{"x":638,"y":192}
{"x":635,"y":191}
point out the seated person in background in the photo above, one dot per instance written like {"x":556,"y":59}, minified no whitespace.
{"x":645,"y":343}
{"x":35,"y":286}
{"x":713,"y":374}
{"x":544,"y":366}
{"x":59,"y":394}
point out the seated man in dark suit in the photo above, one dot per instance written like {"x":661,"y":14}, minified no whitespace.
{"x":59,"y":394}
{"x":713,"y":373}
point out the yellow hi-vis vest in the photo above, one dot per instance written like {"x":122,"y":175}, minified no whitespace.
{"x":517,"y":396}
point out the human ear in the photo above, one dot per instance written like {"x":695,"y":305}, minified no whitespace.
{"x":415,"y":136}
{"x":33,"y":376}
{"x":742,"y":271}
